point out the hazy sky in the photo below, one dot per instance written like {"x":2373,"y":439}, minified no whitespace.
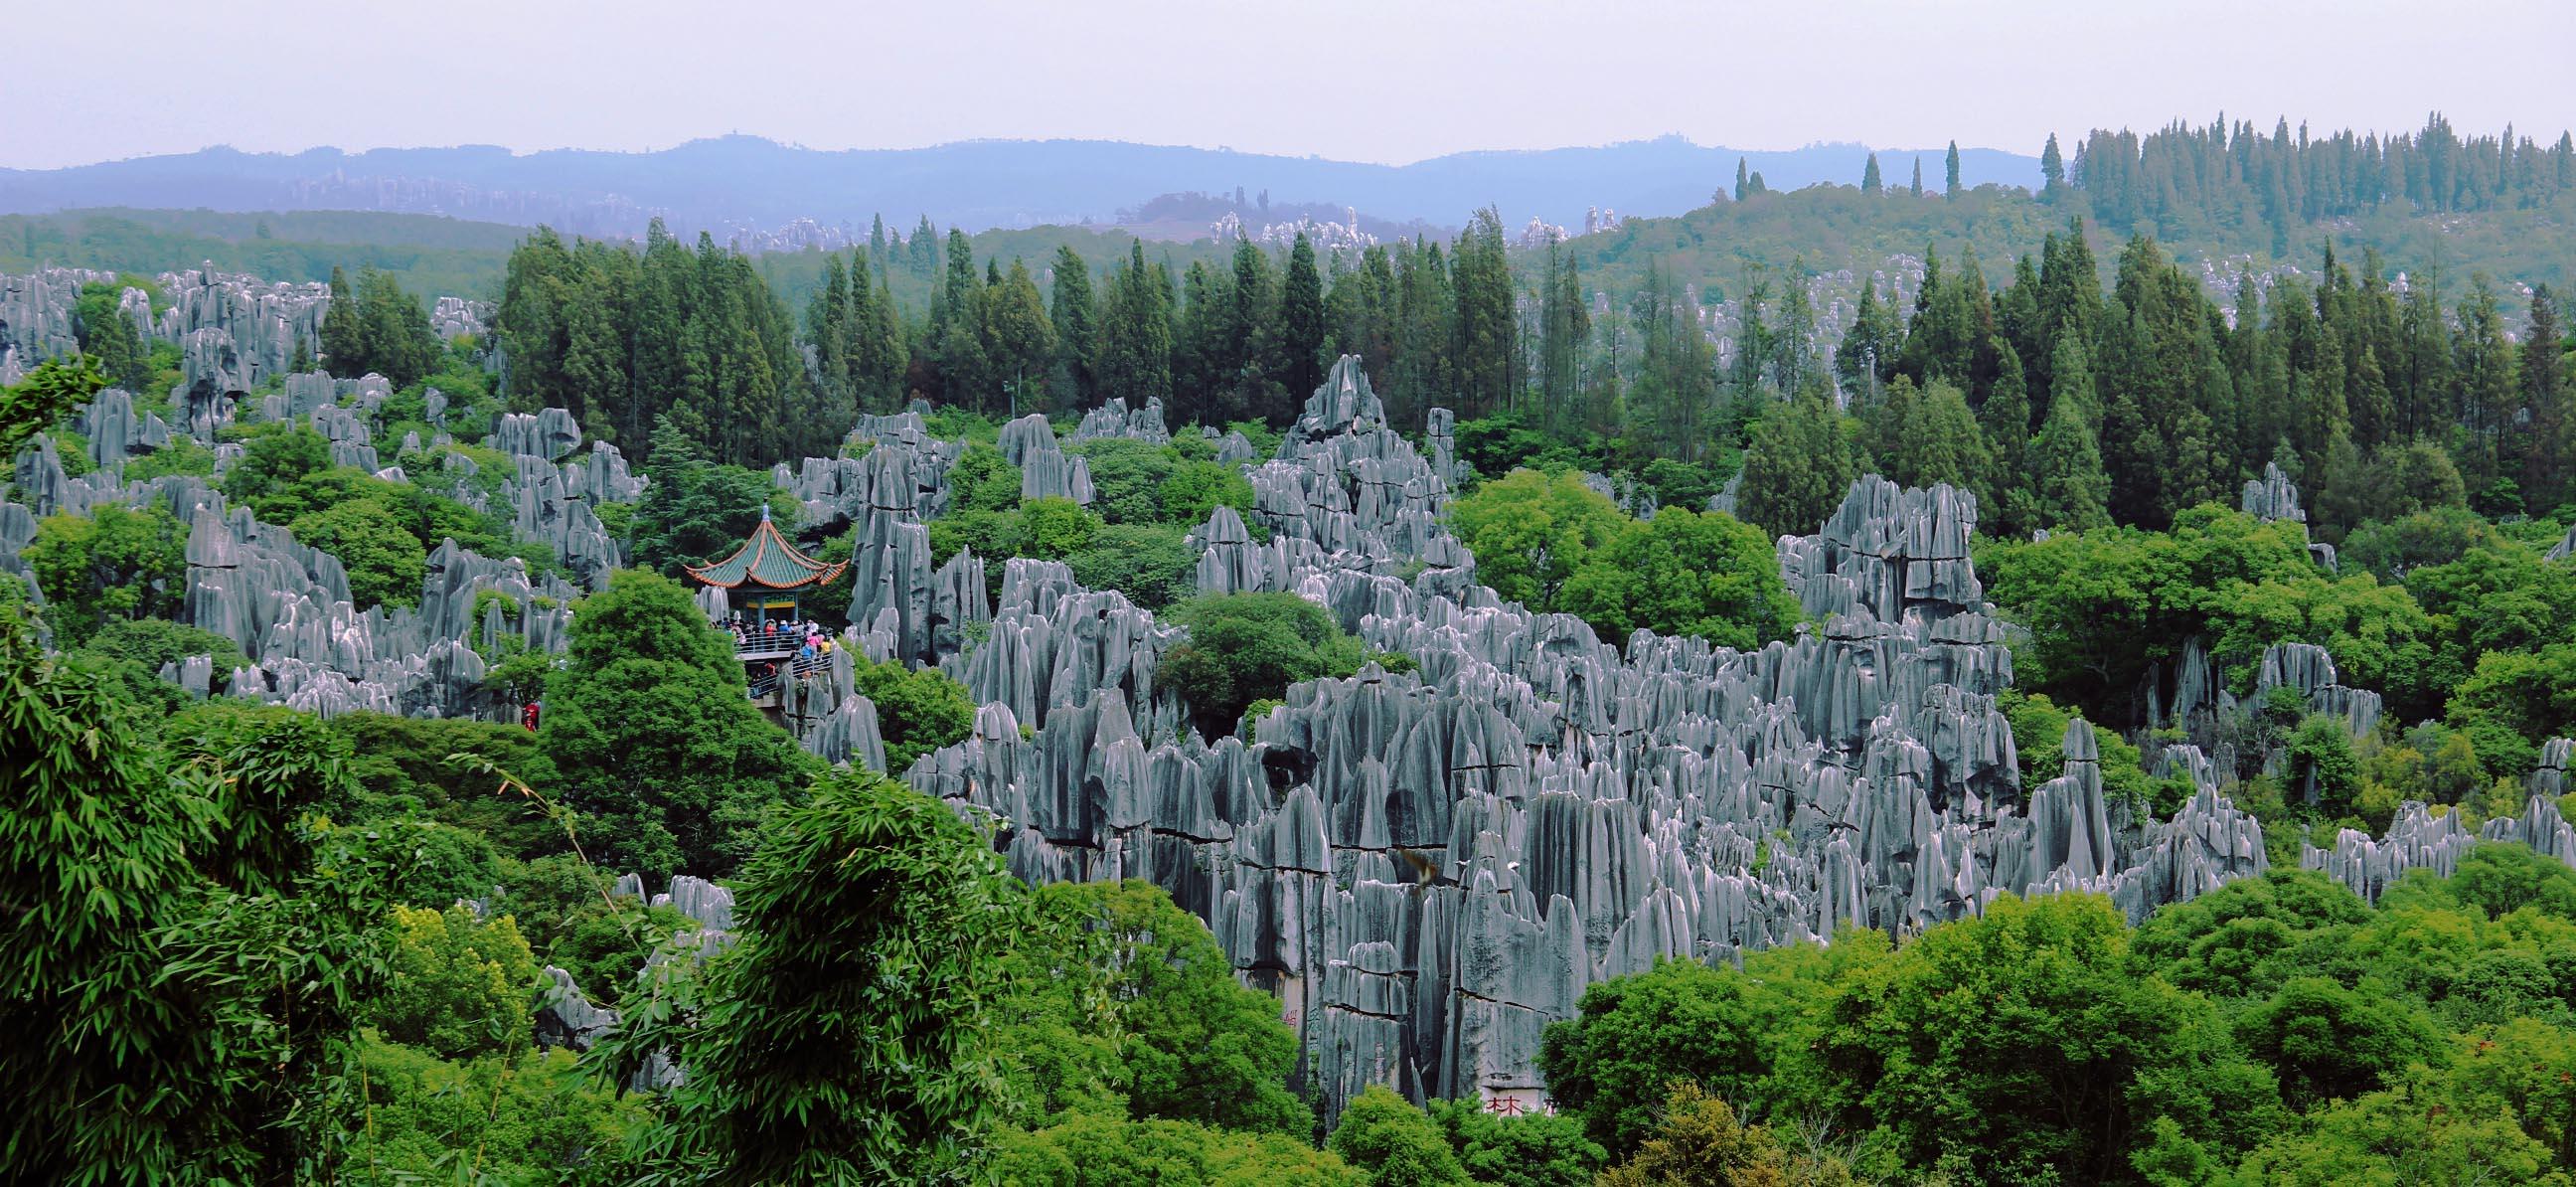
{"x":1378,"y":80}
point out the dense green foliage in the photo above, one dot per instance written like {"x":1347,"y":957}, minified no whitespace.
{"x":455,"y":985}
{"x":1555,"y":544}
{"x":652,"y":739}
{"x":2275,"y":1023}
{"x":1397,"y":1145}
{"x":698,"y":511}
{"x":844,"y":1037}
{"x":115,"y":564}
{"x":532,"y":1118}
{"x":246,"y":957}
{"x":376,"y":327}
{"x":1682,"y":573}
{"x":623,"y":338}
{"x":919,"y":710}
{"x":191,"y":941}
{"x":1248,"y":647}
{"x":1123,"y":1006}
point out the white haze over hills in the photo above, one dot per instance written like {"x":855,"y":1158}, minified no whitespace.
{"x":749,"y":182}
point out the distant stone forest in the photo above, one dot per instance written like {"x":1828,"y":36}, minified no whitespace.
{"x":1941,"y":746}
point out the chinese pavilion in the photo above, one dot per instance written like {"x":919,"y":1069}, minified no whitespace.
{"x":767,"y":577}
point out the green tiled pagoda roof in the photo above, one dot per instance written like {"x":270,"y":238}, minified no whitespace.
{"x":766,"y":561}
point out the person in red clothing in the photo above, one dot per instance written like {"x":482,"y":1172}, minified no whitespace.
{"x":528,"y":715}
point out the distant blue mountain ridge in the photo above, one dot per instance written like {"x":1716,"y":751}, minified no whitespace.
{"x":749,"y":182}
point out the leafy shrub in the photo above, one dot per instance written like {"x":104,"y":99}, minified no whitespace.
{"x":918,"y":710}
{"x":460,"y":986}
{"x":1248,"y":646}
{"x":112,"y":563}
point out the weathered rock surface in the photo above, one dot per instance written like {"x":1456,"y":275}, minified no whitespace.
{"x":1428,"y":867}
{"x":1425,"y":866}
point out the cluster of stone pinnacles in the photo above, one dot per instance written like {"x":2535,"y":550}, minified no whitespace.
{"x":1428,"y":866}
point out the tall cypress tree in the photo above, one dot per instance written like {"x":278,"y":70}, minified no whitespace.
{"x":957,"y":326}
{"x":1200,"y":332}
{"x":2052,"y":170}
{"x":2005,"y":420}
{"x":1564,"y":324}
{"x":108,"y":335}
{"x":343,"y":331}
{"x":1419,"y":364}
{"x":1870,"y":185}
{"x":827,"y":326}
{"x":1300,"y":366}
{"x":1019,"y":342}
{"x":2550,"y":450}
{"x":2482,"y":367}
{"x":1798,"y":469}
{"x":1951,"y":173}
{"x":1135,"y":355}
{"x":2065,"y":486}
{"x":1488,"y":325}
{"x":1941,"y":443}
{"x":1917,"y":187}
{"x":1077,"y":333}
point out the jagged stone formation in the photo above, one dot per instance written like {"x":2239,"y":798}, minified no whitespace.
{"x":1428,"y":867}
{"x":287,"y":605}
{"x":253,"y":324}
{"x":2274,"y":496}
{"x":1116,"y":419}
{"x":2419,"y":838}
{"x":1045,"y":470}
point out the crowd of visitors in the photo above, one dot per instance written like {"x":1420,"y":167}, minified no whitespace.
{"x":811,"y":644}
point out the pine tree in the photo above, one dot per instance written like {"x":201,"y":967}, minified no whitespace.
{"x":2005,"y":420}
{"x":1799,"y":468}
{"x":1135,"y":353}
{"x":2052,"y":170}
{"x":1870,"y":185}
{"x":1200,"y":337}
{"x":1676,"y":387}
{"x":921,"y":252}
{"x":106,"y":334}
{"x":957,"y":327}
{"x":1488,"y":322}
{"x":1249,"y":307}
{"x":1951,"y":173}
{"x":2065,"y":488}
{"x":1941,"y":443}
{"x":1419,"y":363}
{"x":597,"y":335}
{"x":1884,"y":423}
{"x":659,"y":375}
{"x":343,"y":331}
{"x":2482,"y":366}
{"x":1857,"y":358}
{"x":1792,"y":339}
{"x":1300,"y":366}
{"x":393,"y":334}
{"x":2550,"y":450}
{"x":1564,"y":324}
{"x":1740,"y":180}
{"x":1019,"y":342}
{"x":1077,"y":334}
